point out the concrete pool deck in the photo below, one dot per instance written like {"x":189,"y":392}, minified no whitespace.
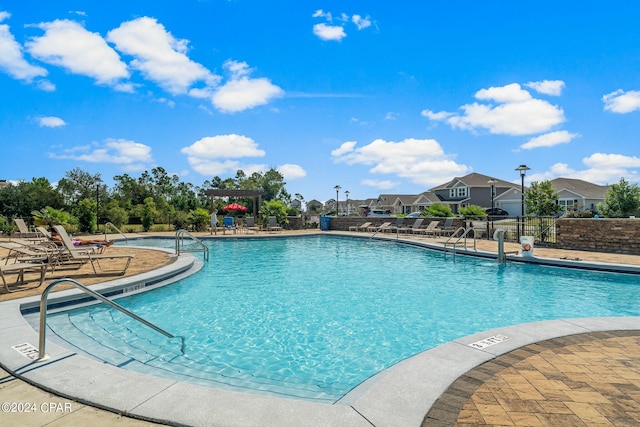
{"x":450,"y":384}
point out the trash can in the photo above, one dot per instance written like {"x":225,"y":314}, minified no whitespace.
{"x":324,"y":223}
{"x":527,"y":245}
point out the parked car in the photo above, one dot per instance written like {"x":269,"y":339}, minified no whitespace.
{"x":496,"y":212}
{"x":414,"y":215}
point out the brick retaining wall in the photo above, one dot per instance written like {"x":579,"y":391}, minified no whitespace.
{"x":620,"y":236}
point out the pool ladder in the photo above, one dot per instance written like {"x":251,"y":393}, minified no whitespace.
{"x":180,"y":236}
{"x":460,"y":234}
{"x":42,"y":355}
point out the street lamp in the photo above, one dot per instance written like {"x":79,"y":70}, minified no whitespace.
{"x":337,"y":188}
{"x":97,"y":182}
{"x":523,"y":171}
{"x":301,"y":199}
{"x":492,"y":183}
{"x":346,"y":193}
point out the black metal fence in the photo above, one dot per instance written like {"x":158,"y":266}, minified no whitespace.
{"x":543,"y":228}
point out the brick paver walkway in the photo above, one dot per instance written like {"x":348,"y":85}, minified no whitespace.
{"x":581,"y":380}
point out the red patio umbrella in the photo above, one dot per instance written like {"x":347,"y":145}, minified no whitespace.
{"x":235,"y":207}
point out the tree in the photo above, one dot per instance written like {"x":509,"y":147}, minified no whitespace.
{"x":541,"y":199}
{"x":622,"y":200}
{"x":77,"y":185}
{"x":20,"y":199}
{"x":149,"y":213}
{"x":275,"y":208}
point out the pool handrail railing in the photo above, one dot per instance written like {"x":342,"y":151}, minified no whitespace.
{"x":43,"y":314}
{"x":180,"y":237}
{"x":115,"y":228}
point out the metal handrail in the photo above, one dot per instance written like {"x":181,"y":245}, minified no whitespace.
{"x":43,"y":314}
{"x":180,"y":236}
{"x":115,"y":228}
{"x":465,"y":233}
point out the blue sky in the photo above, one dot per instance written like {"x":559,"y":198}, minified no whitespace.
{"x":374,"y":96}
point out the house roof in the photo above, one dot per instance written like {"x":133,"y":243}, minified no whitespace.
{"x":582,"y":188}
{"x":474,"y":180}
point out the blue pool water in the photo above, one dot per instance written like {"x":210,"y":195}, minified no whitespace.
{"x":312,"y":317}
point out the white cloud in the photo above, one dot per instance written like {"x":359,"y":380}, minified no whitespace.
{"x":440,"y":116}
{"x":601,"y":169}
{"x":119,"y":151}
{"x":223,"y":146}
{"x":391,"y":115}
{"x":291,"y":171}
{"x":329,"y":32}
{"x":46,"y":86}
{"x":69,"y":45}
{"x":518,"y":113}
{"x":622,"y":102}
{"x":321,"y":14}
{"x":11,"y":58}
{"x":360,"y":22}
{"x":549,"y":140}
{"x":422,"y":161}
{"x":51,"y":122}
{"x":159,"y":56}
{"x":380,"y":185}
{"x":241,"y":92}
{"x":547,"y":87}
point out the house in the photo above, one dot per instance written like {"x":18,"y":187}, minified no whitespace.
{"x":579,"y":195}
{"x":477,"y":189}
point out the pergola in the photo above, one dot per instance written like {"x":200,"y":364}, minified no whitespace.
{"x":256,"y":194}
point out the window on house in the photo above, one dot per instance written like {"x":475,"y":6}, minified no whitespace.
{"x":458,"y":192}
{"x":567,"y":205}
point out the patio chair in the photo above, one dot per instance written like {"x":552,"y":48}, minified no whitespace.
{"x":396,"y":227}
{"x":362,"y":227}
{"x":76,"y":255}
{"x":431,"y":229}
{"x":20,"y":268}
{"x":447,"y":228}
{"x":272,"y":225}
{"x":250,"y":224}
{"x":24,"y":232}
{"x":377,"y":228}
{"x":416,"y":224}
{"x":228,"y":223}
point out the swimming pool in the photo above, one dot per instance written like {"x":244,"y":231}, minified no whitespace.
{"x":312,"y":317}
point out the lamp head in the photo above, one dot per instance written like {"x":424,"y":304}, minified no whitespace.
{"x":523,"y":169}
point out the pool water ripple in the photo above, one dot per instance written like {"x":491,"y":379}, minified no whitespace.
{"x":312,"y":317}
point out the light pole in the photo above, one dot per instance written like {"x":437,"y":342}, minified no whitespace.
{"x":337,"y":188}
{"x":492,"y":183}
{"x":97,"y":181}
{"x":346,"y":193}
{"x":523,"y":171}
{"x":301,"y":199}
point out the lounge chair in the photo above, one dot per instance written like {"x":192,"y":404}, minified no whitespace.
{"x":431,"y":229}
{"x":362,"y":227}
{"x":40,"y":253}
{"x":412,"y":228}
{"x":24,"y":232}
{"x":20,"y":268}
{"x":447,"y":228}
{"x":83,"y":256}
{"x":273,"y":224}
{"x":380,"y":227}
{"x":396,"y":227}
{"x":250,"y":224}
